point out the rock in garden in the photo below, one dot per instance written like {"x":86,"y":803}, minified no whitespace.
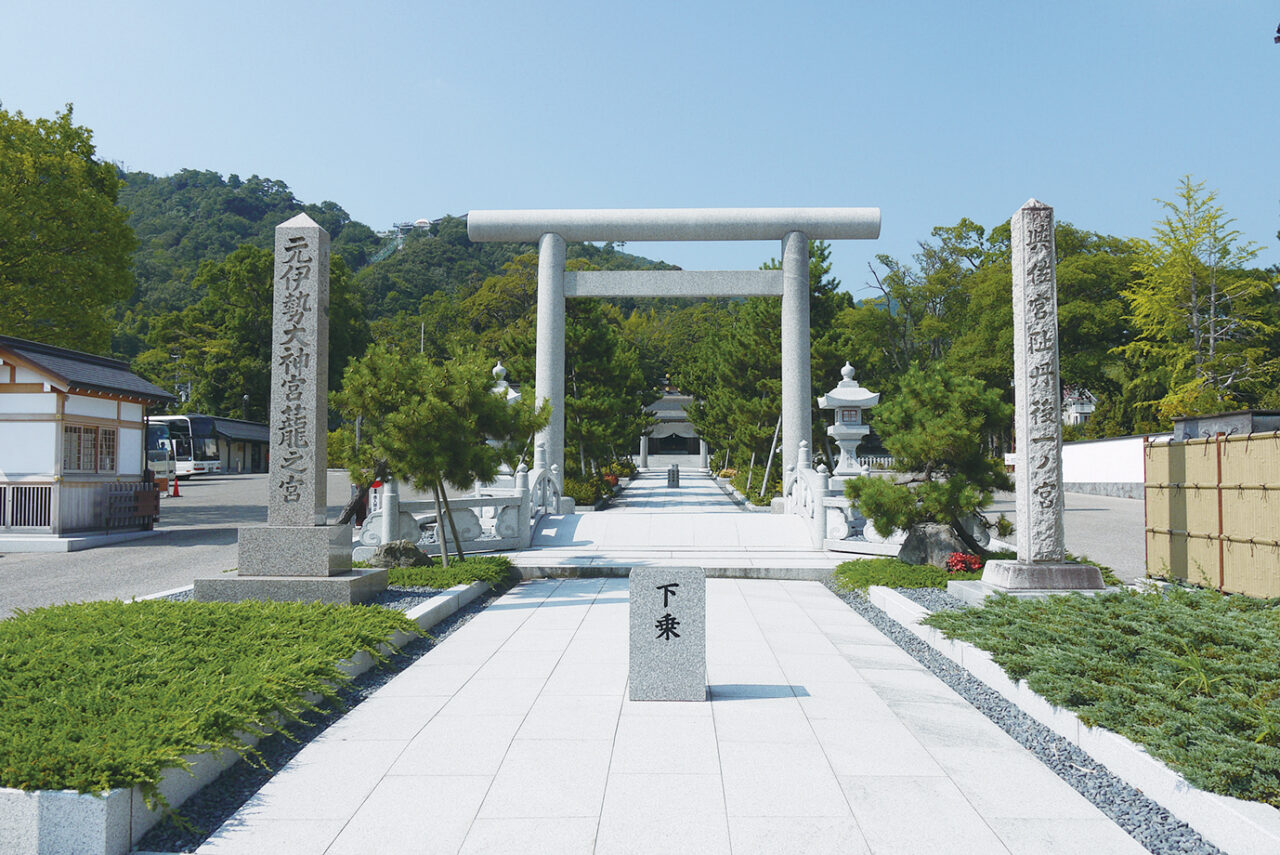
{"x":930,"y":543}
{"x":399,"y":553}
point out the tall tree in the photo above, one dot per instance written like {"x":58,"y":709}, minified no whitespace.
{"x":935,"y":427}
{"x":64,"y":245}
{"x":221,"y":346}
{"x":1199,"y":313}
{"x":429,"y":422}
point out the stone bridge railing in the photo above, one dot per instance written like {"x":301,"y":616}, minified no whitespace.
{"x":496,"y":519}
{"x":806,"y":495}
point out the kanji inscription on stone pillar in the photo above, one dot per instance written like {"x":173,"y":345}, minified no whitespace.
{"x":1037,"y":397}
{"x":299,"y":377}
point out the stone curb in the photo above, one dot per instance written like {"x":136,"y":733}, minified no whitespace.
{"x":40,"y":822}
{"x":1237,"y":826}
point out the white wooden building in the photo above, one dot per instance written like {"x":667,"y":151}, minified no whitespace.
{"x":72,"y":435}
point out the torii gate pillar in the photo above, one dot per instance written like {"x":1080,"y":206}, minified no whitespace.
{"x":797,"y":417}
{"x":548,"y":377}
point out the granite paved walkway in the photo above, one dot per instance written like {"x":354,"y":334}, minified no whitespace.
{"x":515,"y":735}
{"x":693,"y":524}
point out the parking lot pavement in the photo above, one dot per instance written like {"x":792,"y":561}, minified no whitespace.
{"x":196,"y":537}
{"x":1108,"y":530}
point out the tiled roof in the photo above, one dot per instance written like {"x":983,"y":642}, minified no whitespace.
{"x":84,"y":372}
{"x":238,"y":429}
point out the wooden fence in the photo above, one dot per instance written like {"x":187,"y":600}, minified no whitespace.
{"x":1213,"y":512}
{"x":65,"y":508}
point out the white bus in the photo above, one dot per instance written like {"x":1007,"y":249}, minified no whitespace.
{"x":193,"y":443}
{"x":159,"y":456}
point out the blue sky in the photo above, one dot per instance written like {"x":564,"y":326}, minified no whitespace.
{"x":930,"y":111}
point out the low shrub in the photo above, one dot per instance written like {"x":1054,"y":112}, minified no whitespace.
{"x":739,"y":481}
{"x":109,"y":694}
{"x":584,"y":493}
{"x":623,"y":467}
{"x":494,"y":569}
{"x":892,"y":573}
{"x":1191,"y":675}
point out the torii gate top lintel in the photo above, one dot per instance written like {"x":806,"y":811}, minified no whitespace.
{"x":670,"y":224}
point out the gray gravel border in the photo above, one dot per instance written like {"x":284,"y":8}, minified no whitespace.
{"x":1145,"y":821}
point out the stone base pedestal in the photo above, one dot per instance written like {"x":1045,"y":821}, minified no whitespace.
{"x":1029,"y":581}
{"x":285,"y":550}
{"x":1023,"y":575}
{"x":354,"y":586}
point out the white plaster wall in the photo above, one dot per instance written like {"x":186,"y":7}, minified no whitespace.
{"x":80,"y":405}
{"x":33,"y":403}
{"x":1116,"y":460}
{"x":26,"y":448}
{"x":25,"y":375}
{"x":129,"y":452}
{"x":131,"y":412}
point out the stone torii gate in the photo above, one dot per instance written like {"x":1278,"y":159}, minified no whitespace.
{"x":794,"y":227}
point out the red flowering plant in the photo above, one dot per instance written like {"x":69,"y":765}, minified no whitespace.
{"x":962,"y":562}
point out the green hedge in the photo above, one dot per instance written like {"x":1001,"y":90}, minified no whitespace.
{"x":739,"y":481}
{"x":1193,"y":676}
{"x":109,"y":694}
{"x":494,"y":569}
{"x":892,"y":573}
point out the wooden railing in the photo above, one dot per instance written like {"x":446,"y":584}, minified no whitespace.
{"x":65,"y":508}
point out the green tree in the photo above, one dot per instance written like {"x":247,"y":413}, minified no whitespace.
{"x":64,"y":245}
{"x":1200,"y":315}
{"x":605,"y":388}
{"x":222,"y":344}
{"x":937,"y":428}
{"x":429,"y":423}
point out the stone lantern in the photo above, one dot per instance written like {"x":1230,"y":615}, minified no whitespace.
{"x":501,"y":386}
{"x":850,"y":402}
{"x":502,"y":389}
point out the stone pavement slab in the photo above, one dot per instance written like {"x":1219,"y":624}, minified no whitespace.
{"x":516,"y":735}
{"x":695,"y":524}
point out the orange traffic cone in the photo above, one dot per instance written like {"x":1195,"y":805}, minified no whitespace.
{"x":174,"y":493}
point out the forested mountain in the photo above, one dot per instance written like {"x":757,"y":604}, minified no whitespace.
{"x":193,"y":216}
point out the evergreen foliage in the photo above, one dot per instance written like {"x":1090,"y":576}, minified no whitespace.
{"x":496,"y":570}
{"x":935,"y":427}
{"x":1192,"y":676}
{"x":428,"y":422}
{"x":64,"y":245}
{"x":221,"y":345}
{"x":109,"y":694}
{"x":192,"y":217}
{"x":1204,"y":321}
{"x":892,"y":573}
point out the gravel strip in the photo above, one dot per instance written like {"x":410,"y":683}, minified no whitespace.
{"x":933,"y":599}
{"x":214,"y":805}
{"x":1147,"y":822}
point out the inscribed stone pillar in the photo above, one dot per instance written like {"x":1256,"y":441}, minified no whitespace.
{"x":296,"y":556}
{"x":668,"y":617}
{"x":1037,"y":416}
{"x":1037,"y":420}
{"x":548,"y":378}
{"x":644,"y":451}
{"x":300,"y":375}
{"x":796,"y":416}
